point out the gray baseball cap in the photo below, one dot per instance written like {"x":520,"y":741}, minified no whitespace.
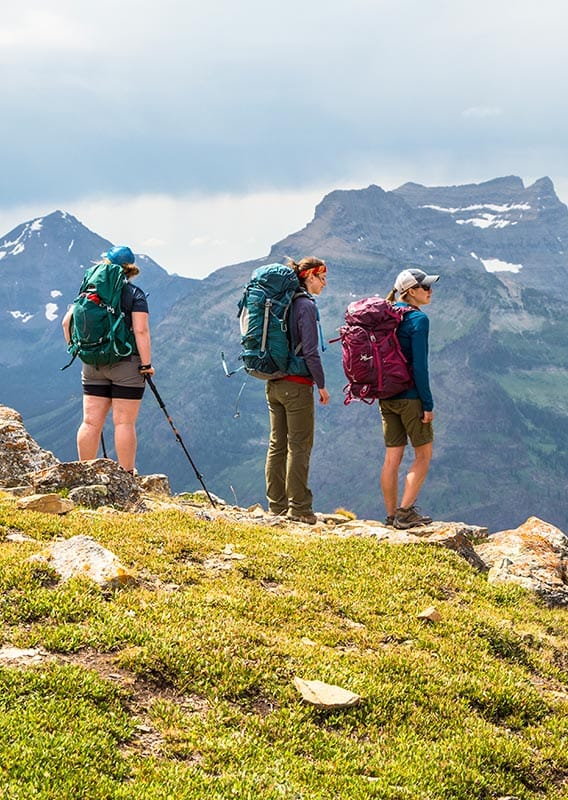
{"x":411,"y":277}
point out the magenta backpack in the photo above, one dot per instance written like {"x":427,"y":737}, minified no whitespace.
{"x":373,"y":361}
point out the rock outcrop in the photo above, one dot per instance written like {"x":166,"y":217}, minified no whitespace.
{"x":115,"y":486}
{"x":534,"y":555}
{"x":21,"y":455}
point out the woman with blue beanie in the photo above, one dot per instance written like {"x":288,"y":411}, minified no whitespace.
{"x":119,"y":386}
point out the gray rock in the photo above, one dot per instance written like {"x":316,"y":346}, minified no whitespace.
{"x":534,"y":555}
{"x":92,"y":496}
{"x":81,"y":556}
{"x":20,"y":454}
{"x":155,"y":484}
{"x":123,"y":490}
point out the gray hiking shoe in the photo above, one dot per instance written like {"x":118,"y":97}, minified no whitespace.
{"x":409,"y":518}
{"x":389,"y":521}
{"x":308,"y":517}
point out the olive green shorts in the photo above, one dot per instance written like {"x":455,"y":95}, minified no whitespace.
{"x":402,"y":420}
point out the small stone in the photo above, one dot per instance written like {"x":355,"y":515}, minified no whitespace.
{"x":202,"y":494}
{"x":430,"y":614}
{"x":18,"y":536}
{"x":46,"y":503}
{"x":15,"y":655}
{"x":155,"y":484}
{"x":229,"y":553}
{"x":325,"y":695}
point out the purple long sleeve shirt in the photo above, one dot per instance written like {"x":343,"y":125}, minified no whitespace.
{"x":305,"y":330}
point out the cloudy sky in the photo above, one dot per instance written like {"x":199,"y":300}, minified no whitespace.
{"x":201,"y":132}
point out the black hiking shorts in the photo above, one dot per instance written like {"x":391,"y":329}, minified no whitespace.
{"x":121,"y":380}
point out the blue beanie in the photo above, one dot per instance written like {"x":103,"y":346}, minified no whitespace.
{"x":120,"y":254}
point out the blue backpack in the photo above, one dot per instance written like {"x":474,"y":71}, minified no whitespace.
{"x":265,"y":314}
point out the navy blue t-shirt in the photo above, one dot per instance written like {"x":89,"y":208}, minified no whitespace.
{"x":132,"y":299}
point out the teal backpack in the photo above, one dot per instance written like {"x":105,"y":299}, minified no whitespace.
{"x":99,"y":333}
{"x":265,"y":314}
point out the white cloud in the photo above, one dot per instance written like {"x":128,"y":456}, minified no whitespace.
{"x":480,"y":112}
{"x":37,"y":29}
{"x":195,"y":234}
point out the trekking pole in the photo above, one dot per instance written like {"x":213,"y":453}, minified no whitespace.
{"x":103,"y":445}
{"x":199,"y":477}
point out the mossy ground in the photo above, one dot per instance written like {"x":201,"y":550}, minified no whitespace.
{"x":182,"y":687}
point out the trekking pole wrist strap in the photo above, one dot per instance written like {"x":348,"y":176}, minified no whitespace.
{"x":142,"y":367}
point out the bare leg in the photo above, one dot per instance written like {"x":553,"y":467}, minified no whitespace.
{"x":95,"y":410}
{"x":416,"y":474}
{"x":124,"y":416}
{"x":389,"y":478}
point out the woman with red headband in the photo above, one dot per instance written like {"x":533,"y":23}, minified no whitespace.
{"x":291,"y":405}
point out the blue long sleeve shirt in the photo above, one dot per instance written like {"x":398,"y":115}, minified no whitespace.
{"x":413,"y":337}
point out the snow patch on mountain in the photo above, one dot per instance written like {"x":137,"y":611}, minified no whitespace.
{"x":496,"y":265}
{"x":24,"y":316}
{"x":51,"y":311}
{"x":490,"y":215}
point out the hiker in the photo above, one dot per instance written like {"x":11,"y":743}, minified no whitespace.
{"x":119,"y":386}
{"x":290,"y":402}
{"x":409,"y":414}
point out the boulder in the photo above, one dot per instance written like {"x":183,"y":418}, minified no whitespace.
{"x":534,"y":555}
{"x":93,"y":496}
{"x":20,"y":455}
{"x":82,"y":556}
{"x":123,"y":490}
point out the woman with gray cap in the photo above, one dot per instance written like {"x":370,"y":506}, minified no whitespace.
{"x":409,"y":415}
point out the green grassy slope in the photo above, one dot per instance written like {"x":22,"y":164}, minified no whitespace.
{"x":183,"y":686}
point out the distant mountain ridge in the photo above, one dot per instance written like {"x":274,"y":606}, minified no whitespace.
{"x":499,"y":361}
{"x":490,"y":226}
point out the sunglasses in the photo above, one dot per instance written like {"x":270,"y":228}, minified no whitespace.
{"x":421,"y":286}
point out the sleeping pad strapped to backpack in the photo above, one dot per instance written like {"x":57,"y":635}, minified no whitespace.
{"x":99,"y":333}
{"x":373,"y":361}
{"x":265,"y":314}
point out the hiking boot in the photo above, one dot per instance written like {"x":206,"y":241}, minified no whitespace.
{"x":389,"y":521}
{"x":409,"y":518}
{"x":308,"y":518}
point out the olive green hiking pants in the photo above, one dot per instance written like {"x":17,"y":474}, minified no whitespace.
{"x":291,"y":410}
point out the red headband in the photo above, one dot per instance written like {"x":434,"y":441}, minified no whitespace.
{"x":321,"y":270}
